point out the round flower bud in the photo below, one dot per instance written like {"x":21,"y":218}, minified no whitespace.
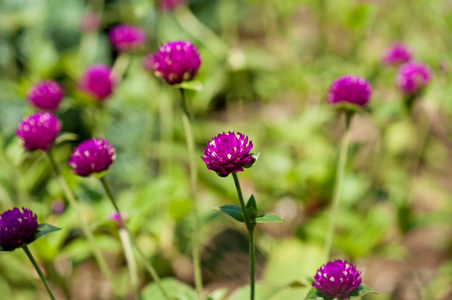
{"x":170,"y":5}
{"x":98,"y":82}
{"x":337,"y":279}
{"x":228,"y":152}
{"x":126,"y":37}
{"x":412,"y":77}
{"x":176,"y":62}
{"x":349,"y":89}
{"x":115,"y":217}
{"x":89,"y":22}
{"x":396,"y":55}
{"x":38,"y":131}
{"x":46,"y":95}
{"x":91,"y":157}
{"x":16,"y":228}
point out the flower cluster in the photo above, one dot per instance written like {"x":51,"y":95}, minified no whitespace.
{"x":412,"y":77}
{"x":349,"y":89}
{"x":16,"y":228}
{"x":38,"y":131}
{"x":228,"y":152}
{"x":396,"y":55}
{"x":46,"y":95}
{"x":337,"y":279}
{"x":91,"y":157}
{"x":176,"y":62}
{"x":97,"y":81}
{"x":127,"y":37}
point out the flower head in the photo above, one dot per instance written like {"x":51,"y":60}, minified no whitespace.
{"x":38,"y":131}
{"x":46,"y":95}
{"x":176,"y":62}
{"x":412,"y":77}
{"x":16,"y":228}
{"x":170,"y":5}
{"x":97,"y":81}
{"x":337,"y":279}
{"x":92,"y":156}
{"x":228,"y":152}
{"x":58,"y":207}
{"x":127,"y":37}
{"x":89,"y":22}
{"x":349,"y":89}
{"x":396,"y":55}
{"x":115,"y":217}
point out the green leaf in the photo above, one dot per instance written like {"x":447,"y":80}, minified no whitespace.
{"x":268,"y":218}
{"x":43,"y":229}
{"x":361,"y":291}
{"x":234,"y":211}
{"x":66,"y":137}
{"x":176,"y":290}
{"x":194,"y":85}
{"x":255,"y":158}
{"x":251,"y":208}
{"x":313,"y":295}
{"x":297,"y":284}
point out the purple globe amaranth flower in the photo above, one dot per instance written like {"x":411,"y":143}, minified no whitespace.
{"x":171,"y":5}
{"x":92,"y":156}
{"x":337,"y":279}
{"x":228,"y":152}
{"x":115,"y":217}
{"x":38,"y":131}
{"x":412,"y":77}
{"x":98,"y":82}
{"x":89,"y":22}
{"x":127,"y":37}
{"x":349,"y":89}
{"x":46,"y":95}
{"x":176,"y":62}
{"x":16,"y":228}
{"x":396,"y":55}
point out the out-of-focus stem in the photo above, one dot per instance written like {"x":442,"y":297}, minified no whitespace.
{"x":70,"y":197}
{"x":35,"y":264}
{"x":194,"y":193}
{"x":337,"y":187}
{"x":120,"y":66}
{"x":127,"y":246}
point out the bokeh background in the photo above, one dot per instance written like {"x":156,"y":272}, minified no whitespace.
{"x":266,"y":67}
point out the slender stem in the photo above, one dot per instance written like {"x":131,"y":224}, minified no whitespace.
{"x":337,"y":187}
{"x":250,"y":227}
{"x":120,"y":66}
{"x":70,"y":196}
{"x":126,"y":245}
{"x":148,"y":265}
{"x":194,"y":193}
{"x":43,"y":279}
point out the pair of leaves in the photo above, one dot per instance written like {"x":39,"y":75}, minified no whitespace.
{"x":42,"y":230}
{"x":357,"y":293}
{"x":237,"y":213}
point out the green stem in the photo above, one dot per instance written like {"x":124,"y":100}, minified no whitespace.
{"x":194,"y":193}
{"x":337,"y":187}
{"x":126,"y":245}
{"x":250,"y":227}
{"x":70,"y":197}
{"x":120,"y":66}
{"x":148,"y":265}
{"x":43,"y":279}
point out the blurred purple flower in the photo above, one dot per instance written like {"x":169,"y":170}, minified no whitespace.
{"x":127,"y":37}
{"x":38,"y":131}
{"x":396,"y":55}
{"x":97,"y":81}
{"x":176,"y":62}
{"x":16,"y":228}
{"x":92,"y":156}
{"x":171,"y":5}
{"x":412,"y":77}
{"x":337,"y":279}
{"x":46,"y":95}
{"x":58,"y":207}
{"x":115,"y":217}
{"x":89,"y":22}
{"x":350,"y":89}
{"x":228,"y":152}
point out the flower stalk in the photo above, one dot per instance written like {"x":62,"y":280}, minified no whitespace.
{"x":186,"y":118}
{"x":38,"y":270}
